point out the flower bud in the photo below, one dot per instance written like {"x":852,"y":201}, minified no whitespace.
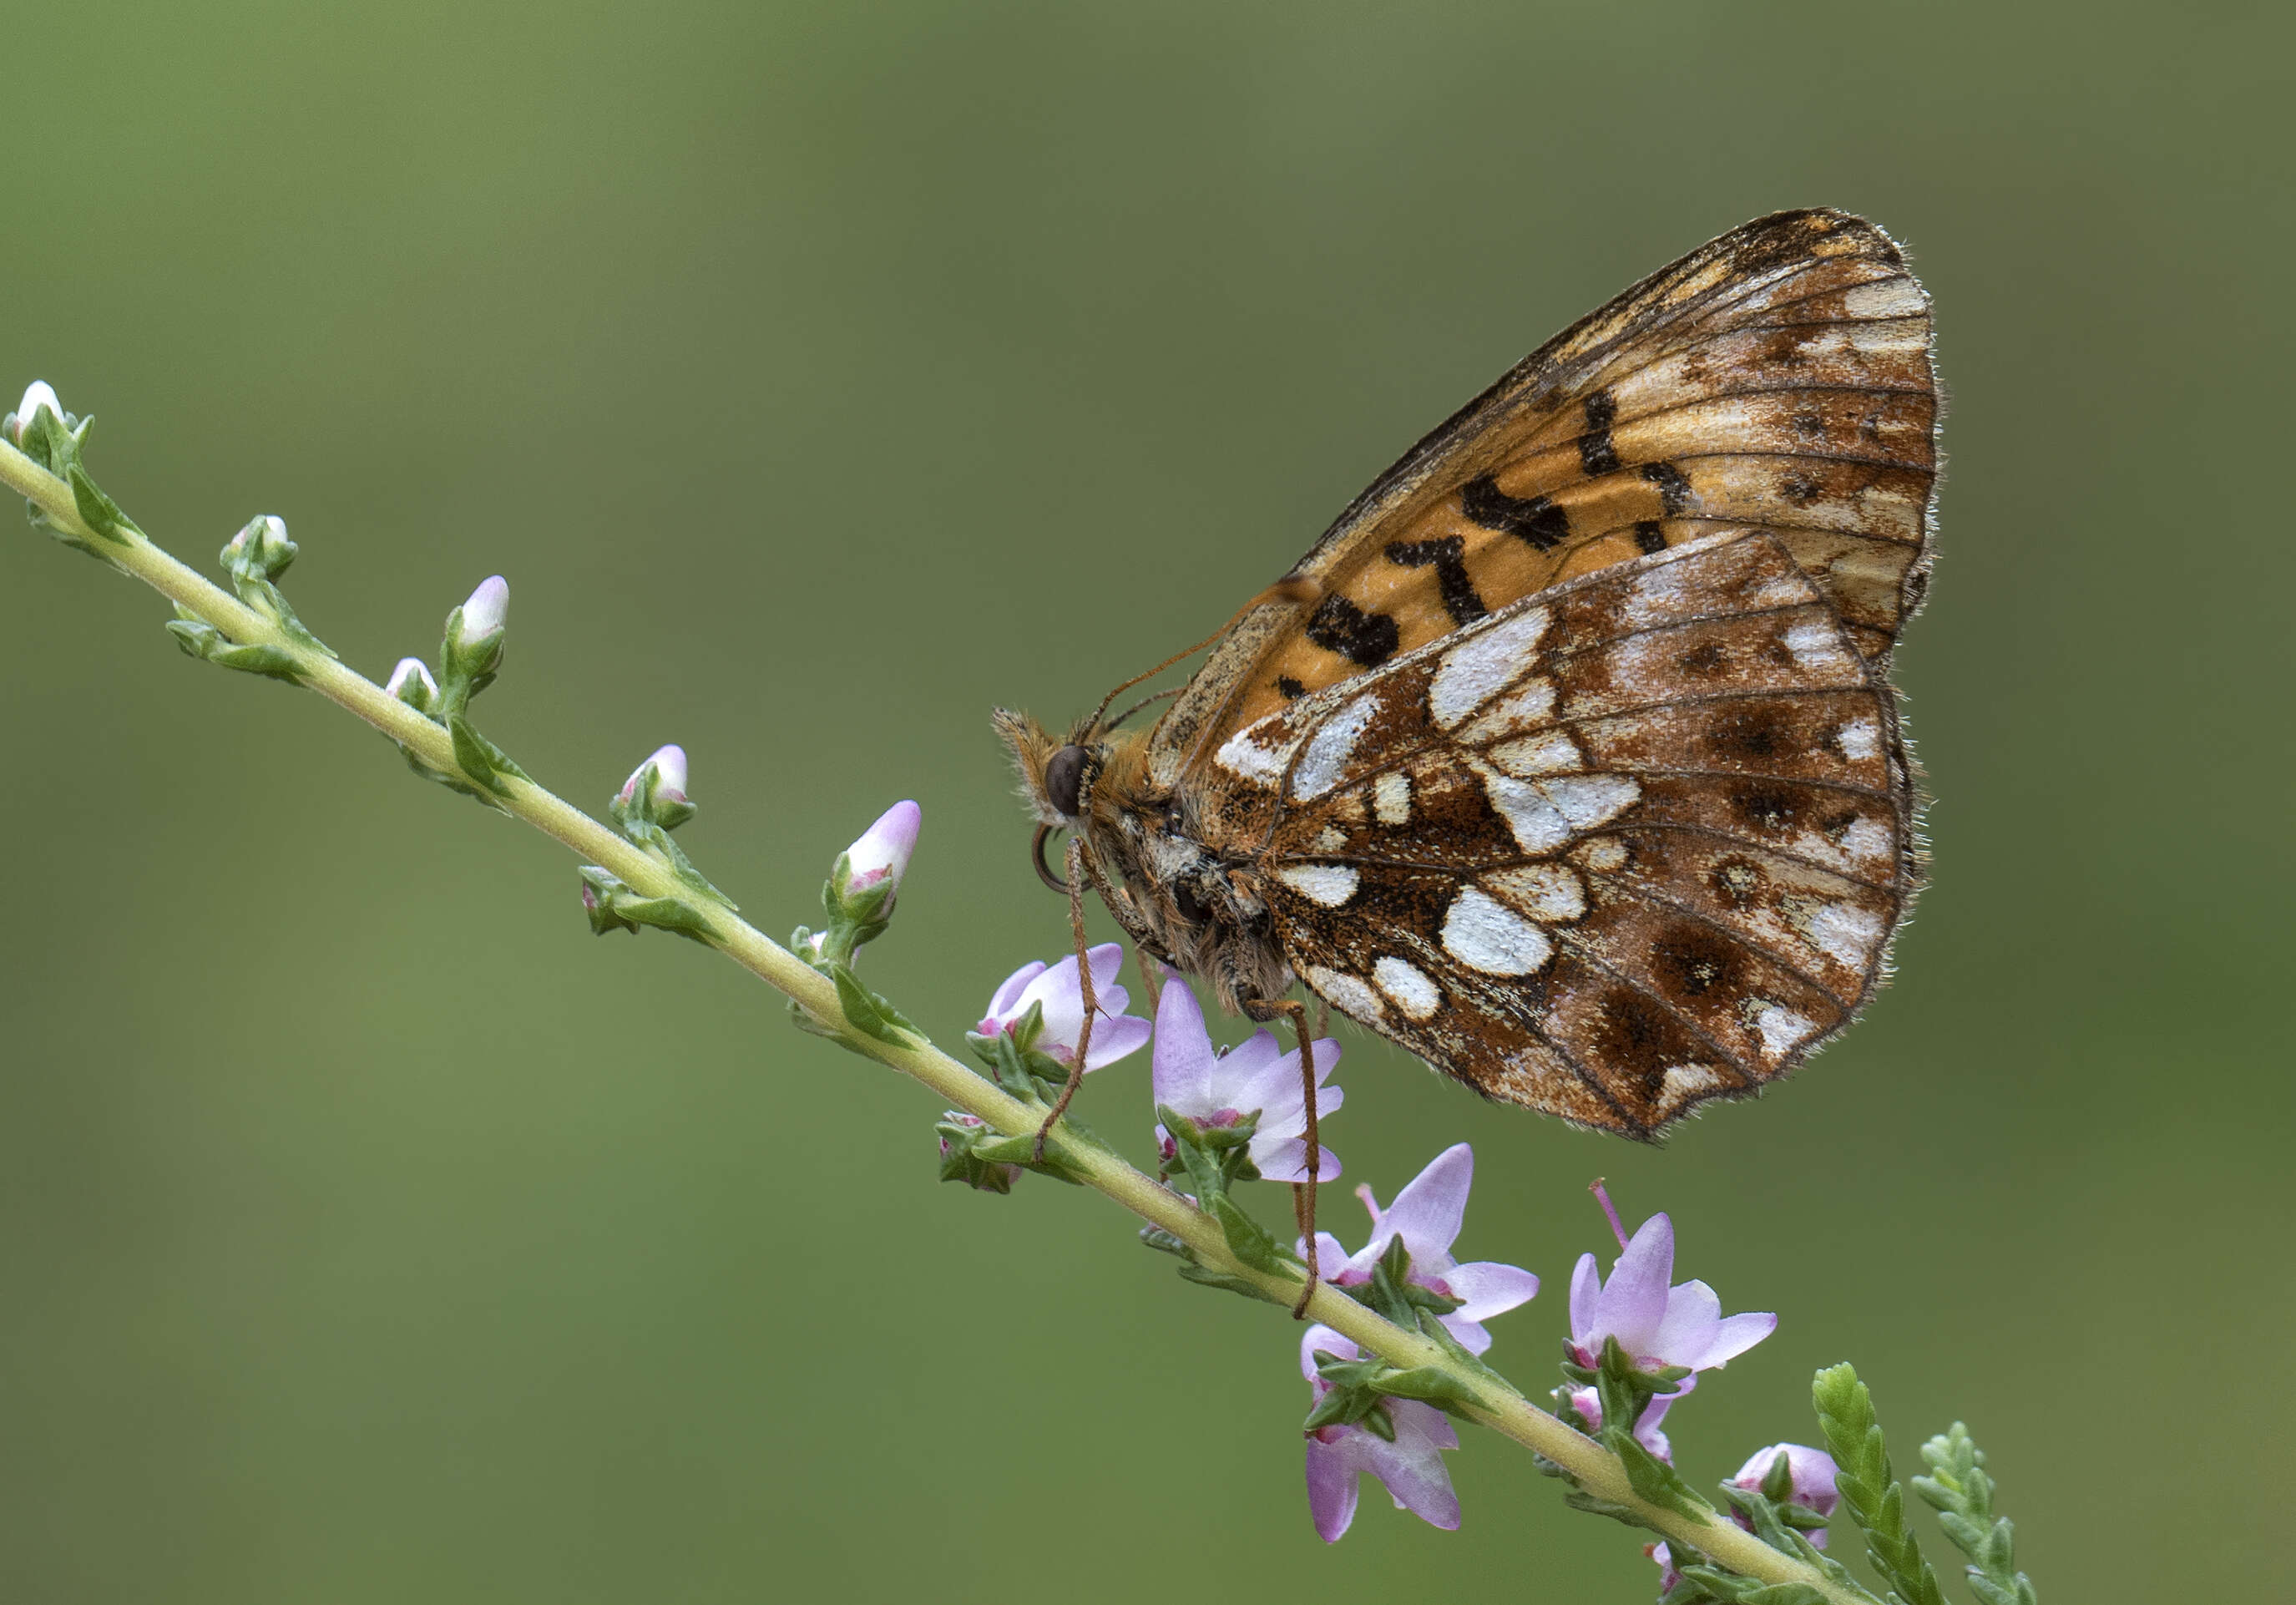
{"x":958,"y":1162}
{"x":37,"y":395}
{"x":487,"y":611}
{"x":881,"y":856}
{"x":411,"y":683}
{"x":669,"y":776}
{"x":1808,"y":1477}
{"x":260,"y":551}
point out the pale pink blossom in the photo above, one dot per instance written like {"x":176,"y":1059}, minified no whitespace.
{"x":1219,"y":1089}
{"x":1427,"y":1214}
{"x":1657,"y":1325}
{"x":1114,"y":1034}
{"x":1411,"y":1467}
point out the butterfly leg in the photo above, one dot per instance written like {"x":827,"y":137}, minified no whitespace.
{"x":1303,"y":1193}
{"x":1084,"y":984}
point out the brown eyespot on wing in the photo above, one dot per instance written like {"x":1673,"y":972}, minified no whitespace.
{"x":1778,"y":378}
{"x":1634,"y":843}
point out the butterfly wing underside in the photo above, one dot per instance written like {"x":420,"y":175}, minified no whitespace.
{"x":1625,"y":845}
{"x":1779,"y":377}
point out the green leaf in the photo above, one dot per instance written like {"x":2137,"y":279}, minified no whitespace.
{"x":98,"y":510}
{"x":473,"y":753}
{"x":1652,"y":1478}
{"x":1247,"y":1239}
{"x":663,"y":914}
{"x":869,"y":1014}
{"x":1870,"y":1492}
{"x":1430,"y":1385}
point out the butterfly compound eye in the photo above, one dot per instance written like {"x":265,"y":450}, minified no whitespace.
{"x":1064,"y":777}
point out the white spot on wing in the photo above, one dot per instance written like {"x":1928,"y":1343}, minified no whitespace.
{"x":1846,"y":934}
{"x":1781,"y":1029}
{"x":1886,"y":297}
{"x":1588,"y":800}
{"x":1329,"y":885}
{"x":1529,"y":704}
{"x":1868,"y":839}
{"x":1243,"y":755}
{"x":1859,"y":739}
{"x":1687,"y":1081}
{"x":1538,"y":826}
{"x":1349,"y":994}
{"x":1406,"y":987}
{"x":1551,"y":753}
{"x":1331,"y":839}
{"x":1390,"y":798}
{"x":1480,"y":667}
{"x":1602,"y":854}
{"x":1486,"y":934}
{"x":1329,"y":748}
{"x":1815,"y":644}
{"x":1548,"y":892}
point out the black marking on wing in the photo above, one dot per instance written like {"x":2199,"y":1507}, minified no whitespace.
{"x":1340,"y":626}
{"x":1597,"y":454}
{"x":1537,"y":520}
{"x":1446,"y":555}
{"x":1650,"y":536}
{"x":1289,"y":689}
{"x":1673,"y":486}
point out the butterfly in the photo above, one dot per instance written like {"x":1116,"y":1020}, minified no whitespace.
{"x":1568,"y":758}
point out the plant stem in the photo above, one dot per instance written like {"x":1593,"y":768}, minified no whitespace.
{"x":1504,"y":1409}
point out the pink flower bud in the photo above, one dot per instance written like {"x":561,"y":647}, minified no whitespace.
{"x":669,"y":776}
{"x":487,"y":610}
{"x":882,"y":852}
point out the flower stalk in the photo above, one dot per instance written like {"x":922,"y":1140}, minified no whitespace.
{"x":290,"y":653}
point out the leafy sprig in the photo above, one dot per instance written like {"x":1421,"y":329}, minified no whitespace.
{"x":1961,"y":1491}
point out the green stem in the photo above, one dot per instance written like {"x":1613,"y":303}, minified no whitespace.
{"x":1504,"y":1410}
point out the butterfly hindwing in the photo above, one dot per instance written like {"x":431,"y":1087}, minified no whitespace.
{"x":1625,"y":845}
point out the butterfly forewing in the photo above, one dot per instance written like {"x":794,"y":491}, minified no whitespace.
{"x":1779,"y":377}
{"x":1625,"y":845}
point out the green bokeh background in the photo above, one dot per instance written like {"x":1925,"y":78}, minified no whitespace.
{"x":821,"y":375}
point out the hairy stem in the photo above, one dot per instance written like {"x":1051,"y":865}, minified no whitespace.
{"x":1504,"y":1409}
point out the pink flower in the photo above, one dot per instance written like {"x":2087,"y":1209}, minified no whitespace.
{"x":1668,"y":1577}
{"x":1411,"y":1467}
{"x":882,"y":852}
{"x":1656,"y":1325}
{"x":1219,"y":1089}
{"x":1427,"y":1214}
{"x":1812,"y":1472}
{"x":1114,"y":1034}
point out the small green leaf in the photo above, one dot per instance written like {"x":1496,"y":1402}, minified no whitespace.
{"x":98,"y":510}
{"x":1247,"y":1239}
{"x":474,"y":754}
{"x":869,"y":1014}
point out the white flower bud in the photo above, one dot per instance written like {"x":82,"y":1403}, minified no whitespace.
{"x":487,"y":610}
{"x":37,"y":395}
{"x":411,"y":683}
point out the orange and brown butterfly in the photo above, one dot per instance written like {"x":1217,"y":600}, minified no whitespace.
{"x":1568,"y":758}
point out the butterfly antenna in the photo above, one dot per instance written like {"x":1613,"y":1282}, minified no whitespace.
{"x":1118,"y":722}
{"x":1292,"y":588}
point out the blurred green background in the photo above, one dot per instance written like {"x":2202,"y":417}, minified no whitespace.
{"x":821,"y":375}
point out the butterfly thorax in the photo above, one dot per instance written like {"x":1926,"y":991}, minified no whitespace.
{"x":1196,"y":906}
